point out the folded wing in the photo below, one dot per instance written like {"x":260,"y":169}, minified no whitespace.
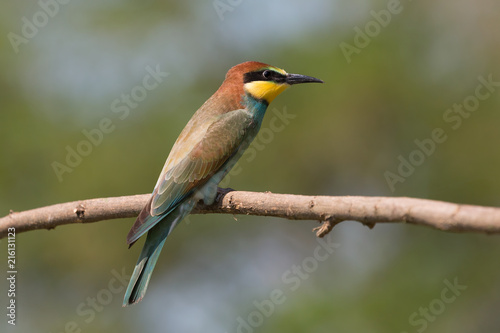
{"x":191,"y":168}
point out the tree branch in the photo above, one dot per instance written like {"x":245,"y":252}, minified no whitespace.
{"x":330,"y":210}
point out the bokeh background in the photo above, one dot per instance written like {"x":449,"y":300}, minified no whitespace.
{"x":343,"y":138}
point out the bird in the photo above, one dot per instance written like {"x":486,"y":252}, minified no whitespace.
{"x":208,"y":147}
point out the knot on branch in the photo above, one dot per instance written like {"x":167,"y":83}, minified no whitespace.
{"x":80,"y":211}
{"x":326,"y":226}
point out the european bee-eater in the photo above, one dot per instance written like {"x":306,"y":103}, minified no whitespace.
{"x":207,"y":148}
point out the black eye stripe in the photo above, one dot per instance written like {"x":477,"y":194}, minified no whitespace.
{"x":259,"y":76}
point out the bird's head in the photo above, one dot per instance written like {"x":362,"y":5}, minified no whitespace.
{"x":265,"y":82}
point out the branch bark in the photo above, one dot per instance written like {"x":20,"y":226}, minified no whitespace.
{"x":330,"y":210}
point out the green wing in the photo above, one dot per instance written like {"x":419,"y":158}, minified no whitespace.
{"x":195,"y":167}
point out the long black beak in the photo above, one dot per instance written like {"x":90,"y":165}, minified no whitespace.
{"x":299,"y":78}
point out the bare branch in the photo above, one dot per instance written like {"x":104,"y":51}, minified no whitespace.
{"x":331,"y":210}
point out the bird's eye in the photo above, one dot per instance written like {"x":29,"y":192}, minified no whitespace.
{"x":266,"y":74}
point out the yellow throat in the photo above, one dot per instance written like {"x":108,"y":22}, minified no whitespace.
{"x":266,"y":90}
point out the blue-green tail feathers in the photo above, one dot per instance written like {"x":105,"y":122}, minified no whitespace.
{"x":144,"y":268}
{"x":150,"y":252}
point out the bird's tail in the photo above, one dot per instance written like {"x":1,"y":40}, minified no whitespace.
{"x":150,"y":252}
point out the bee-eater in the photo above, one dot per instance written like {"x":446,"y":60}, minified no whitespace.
{"x":207,"y":148}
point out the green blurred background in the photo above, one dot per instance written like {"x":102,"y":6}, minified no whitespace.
{"x":345,"y":135}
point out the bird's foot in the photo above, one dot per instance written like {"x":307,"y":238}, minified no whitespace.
{"x":221,"y":192}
